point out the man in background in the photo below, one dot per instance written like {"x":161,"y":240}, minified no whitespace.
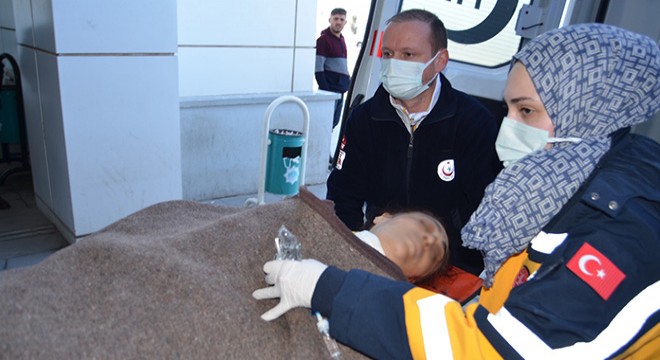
{"x":331,"y":67}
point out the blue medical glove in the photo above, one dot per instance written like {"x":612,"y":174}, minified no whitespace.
{"x":293,"y":282}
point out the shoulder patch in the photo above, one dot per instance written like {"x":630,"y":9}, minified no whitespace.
{"x":594,"y":268}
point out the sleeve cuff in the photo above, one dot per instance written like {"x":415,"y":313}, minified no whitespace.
{"x":326,"y":289}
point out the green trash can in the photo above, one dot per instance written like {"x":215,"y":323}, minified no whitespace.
{"x":9,"y":126}
{"x":283,"y":161}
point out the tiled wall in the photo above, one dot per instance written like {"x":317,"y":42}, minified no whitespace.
{"x":103,"y":82}
{"x":233,"y":61}
{"x":100,"y":84}
{"x":221,"y":140}
{"x":258,"y":46}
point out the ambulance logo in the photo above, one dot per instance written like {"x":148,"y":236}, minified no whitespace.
{"x":592,"y":267}
{"x":446,"y":170}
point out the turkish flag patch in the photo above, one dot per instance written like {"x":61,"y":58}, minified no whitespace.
{"x":596,"y":270}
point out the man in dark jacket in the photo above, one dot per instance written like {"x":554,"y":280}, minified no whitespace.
{"x":418,"y":144}
{"x":331,"y":70}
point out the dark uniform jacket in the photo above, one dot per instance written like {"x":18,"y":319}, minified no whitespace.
{"x":443,"y":168}
{"x":586,"y":287}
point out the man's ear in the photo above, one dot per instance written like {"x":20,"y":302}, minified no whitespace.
{"x":442,"y":60}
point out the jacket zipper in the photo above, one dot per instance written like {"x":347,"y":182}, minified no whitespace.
{"x":409,"y":164}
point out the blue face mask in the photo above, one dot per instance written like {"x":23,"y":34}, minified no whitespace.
{"x":516,"y":140}
{"x":403,"y":79}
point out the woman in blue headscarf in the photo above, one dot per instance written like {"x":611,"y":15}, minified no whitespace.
{"x":570,"y":229}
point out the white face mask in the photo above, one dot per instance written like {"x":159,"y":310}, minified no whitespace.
{"x":403,"y":79}
{"x":516,"y":140}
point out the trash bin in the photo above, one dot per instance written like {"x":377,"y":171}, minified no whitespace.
{"x":9,"y":125}
{"x":283,"y":153}
{"x":284,"y":160}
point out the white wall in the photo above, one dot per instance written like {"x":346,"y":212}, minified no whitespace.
{"x":101,"y":100}
{"x":103,"y":83}
{"x":222,"y":140}
{"x":253,"y":46}
{"x":232,"y":63}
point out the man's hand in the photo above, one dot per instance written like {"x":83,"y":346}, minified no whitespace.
{"x":294,"y":283}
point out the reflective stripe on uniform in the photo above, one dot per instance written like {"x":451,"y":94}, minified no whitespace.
{"x":623,"y":328}
{"x":425,"y":319}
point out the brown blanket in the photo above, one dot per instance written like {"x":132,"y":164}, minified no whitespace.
{"x":175,"y":281}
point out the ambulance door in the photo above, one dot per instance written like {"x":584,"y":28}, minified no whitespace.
{"x":483,"y":35}
{"x":481,"y":41}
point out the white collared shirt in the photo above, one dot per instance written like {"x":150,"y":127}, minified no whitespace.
{"x":370,"y":239}
{"x":412,"y":120}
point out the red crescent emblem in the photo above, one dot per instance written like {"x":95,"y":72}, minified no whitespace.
{"x":447,"y":170}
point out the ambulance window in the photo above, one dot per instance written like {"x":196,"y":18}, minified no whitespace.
{"x":480,"y":32}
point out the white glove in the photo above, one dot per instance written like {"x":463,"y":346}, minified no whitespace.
{"x":294,"y":283}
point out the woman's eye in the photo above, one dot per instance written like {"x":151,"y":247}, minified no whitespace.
{"x":526,"y":111}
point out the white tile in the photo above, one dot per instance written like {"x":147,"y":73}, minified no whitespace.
{"x":95,"y":26}
{"x":121,"y":122}
{"x":8,"y":43}
{"x":23,"y":22}
{"x":53,"y":138}
{"x":305,"y":24}
{"x":230,"y":129}
{"x":43,"y":25}
{"x":253,"y":22}
{"x":222,"y":149}
{"x":7,"y":14}
{"x":224,"y":71}
{"x":303,"y":74}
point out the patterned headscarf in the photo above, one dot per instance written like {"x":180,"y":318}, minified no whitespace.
{"x":593,"y":80}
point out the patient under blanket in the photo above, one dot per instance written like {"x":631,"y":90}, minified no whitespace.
{"x":175,"y":281}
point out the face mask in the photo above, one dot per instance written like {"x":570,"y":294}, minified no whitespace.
{"x":403,"y":79}
{"x":516,"y":140}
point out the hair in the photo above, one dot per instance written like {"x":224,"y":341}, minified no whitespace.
{"x":443,"y":265}
{"x":438,"y":37}
{"x":339,"y":11}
